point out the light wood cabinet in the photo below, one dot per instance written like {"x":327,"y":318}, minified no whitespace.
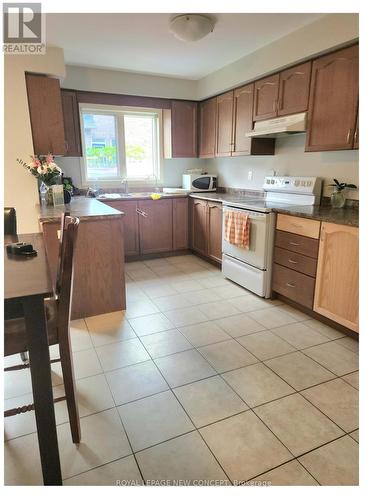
{"x":266,"y":97}
{"x":46,"y":114}
{"x":293,"y":92}
{"x":333,"y":101}
{"x":224,"y":124}
{"x":71,"y":122}
{"x":337,"y":280}
{"x":243,"y":120}
{"x":155,"y":226}
{"x":207,"y":123}
{"x":206,"y":228}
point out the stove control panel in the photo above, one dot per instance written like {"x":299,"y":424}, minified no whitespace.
{"x":300,"y":185}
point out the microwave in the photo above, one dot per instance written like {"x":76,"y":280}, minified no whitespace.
{"x":199,"y":182}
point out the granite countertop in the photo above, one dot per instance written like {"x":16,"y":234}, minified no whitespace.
{"x":348,"y":216}
{"x":80,"y":206}
{"x":140,"y":196}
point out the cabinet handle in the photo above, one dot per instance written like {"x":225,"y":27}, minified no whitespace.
{"x":355,"y":136}
{"x":292,"y":261}
{"x":349,"y":134}
{"x":291,"y":285}
{"x":141,"y":212}
{"x":66,"y":146}
{"x":294,"y":244}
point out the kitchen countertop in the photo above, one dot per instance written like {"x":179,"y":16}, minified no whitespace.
{"x":348,"y":216}
{"x":140,"y":196}
{"x":80,"y":206}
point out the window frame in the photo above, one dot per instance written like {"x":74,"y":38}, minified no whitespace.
{"x":119,"y":113}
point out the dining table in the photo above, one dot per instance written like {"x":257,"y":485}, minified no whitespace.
{"x":27,"y":283}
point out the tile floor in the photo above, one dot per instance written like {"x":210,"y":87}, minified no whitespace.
{"x":198,"y":382}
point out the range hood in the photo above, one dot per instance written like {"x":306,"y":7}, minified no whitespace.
{"x":293,"y":124}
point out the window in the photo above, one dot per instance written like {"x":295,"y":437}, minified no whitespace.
{"x":120,"y":143}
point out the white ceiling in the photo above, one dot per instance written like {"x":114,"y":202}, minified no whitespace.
{"x":141,"y":43}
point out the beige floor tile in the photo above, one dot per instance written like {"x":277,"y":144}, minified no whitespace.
{"x":209,"y":400}
{"x":201,"y":296}
{"x":109,"y":328}
{"x":272,"y":317}
{"x":355,"y":435}
{"x":338,"y":400}
{"x":227,"y":355}
{"x":184,"y":367}
{"x":265,"y":345}
{"x":186,"y":459}
{"x":257,"y":384}
{"x":134,"y":293}
{"x":290,"y":474}
{"x":22,"y":424}
{"x":154,"y":419}
{"x":217,"y":310}
{"x":335,"y":357}
{"x":138,"y":264}
{"x":124,"y":470}
{"x":186,"y":286}
{"x":250,"y":303}
{"x":295,"y":313}
{"x":80,"y":337}
{"x":136,"y":381}
{"x":153,"y":323}
{"x":335,"y":464}
{"x":141,"y":274}
{"x":244,"y":446}
{"x":165,"y":343}
{"x":297,"y":423}
{"x":86,"y":364}
{"x":22,"y":462}
{"x":230,"y":291}
{"x":299,"y":335}
{"x":239,"y":325}
{"x":120,"y":354}
{"x":169,"y":272}
{"x":141,"y":307}
{"x":299,"y":371}
{"x":326,"y":330}
{"x":353,"y":379}
{"x":349,"y":343}
{"x":204,"y":333}
{"x":158,"y":291}
{"x":18,"y":382}
{"x":187,"y":316}
{"x":171,"y":302}
{"x":103,"y":440}
{"x":211,"y":282}
{"x":157,"y":263}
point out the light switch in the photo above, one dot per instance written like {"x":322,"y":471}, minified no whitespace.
{"x":250,"y":175}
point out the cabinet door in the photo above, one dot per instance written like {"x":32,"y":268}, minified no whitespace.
{"x":184,"y":129}
{"x":224,"y":119}
{"x":180,"y":223}
{"x":214,"y":231}
{"x":294,"y":89}
{"x":46,"y":114}
{"x":266,"y":97}
{"x":243,"y":120}
{"x":130,"y":225}
{"x":333,"y":101}
{"x":337,"y":279}
{"x":71,"y":123}
{"x":199,"y":226}
{"x":155,"y":226}
{"x":207,"y":111}
{"x":356,"y":137}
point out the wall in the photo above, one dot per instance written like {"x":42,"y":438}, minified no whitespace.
{"x":20,"y":188}
{"x":327,"y":32}
{"x":289,"y":159}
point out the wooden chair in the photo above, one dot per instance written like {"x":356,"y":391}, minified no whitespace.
{"x":58,"y":312}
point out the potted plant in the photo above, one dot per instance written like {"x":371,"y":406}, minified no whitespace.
{"x":67,"y":190}
{"x":47,"y":172}
{"x":337,"y":197}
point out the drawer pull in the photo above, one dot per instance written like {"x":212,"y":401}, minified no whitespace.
{"x":292,"y":261}
{"x":297,"y":225}
{"x":294,"y":244}
{"x":291,"y":285}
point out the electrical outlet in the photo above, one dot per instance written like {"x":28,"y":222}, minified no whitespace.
{"x":250,"y":175}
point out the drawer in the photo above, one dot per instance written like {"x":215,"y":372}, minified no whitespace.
{"x":295,"y":261}
{"x":299,"y":225}
{"x":296,"y":243}
{"x":294,"y":285}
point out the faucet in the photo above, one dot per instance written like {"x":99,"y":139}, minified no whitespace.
{"x":125,"y":181}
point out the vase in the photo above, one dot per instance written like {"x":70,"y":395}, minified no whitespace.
{"x":45,"y":193}
{"x":337,"y":199}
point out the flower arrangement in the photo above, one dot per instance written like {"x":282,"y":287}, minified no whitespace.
{"x":43,"y":168}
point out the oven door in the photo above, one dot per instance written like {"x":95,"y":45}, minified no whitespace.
{"x":258,"y":253}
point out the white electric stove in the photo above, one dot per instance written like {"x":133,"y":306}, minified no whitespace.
{"x":251,"y":268}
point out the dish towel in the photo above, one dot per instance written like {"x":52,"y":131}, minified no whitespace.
{"x":237,"y":229}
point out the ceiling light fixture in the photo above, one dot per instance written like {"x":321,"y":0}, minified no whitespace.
{"x":191,"y":27}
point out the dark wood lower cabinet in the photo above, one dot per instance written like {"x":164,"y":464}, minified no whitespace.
{"x":294,"y":285}
{"x":206,"y":228}
{"x":180,"y":223}
{"x":155,"y":226}
{"x":130,"y":225}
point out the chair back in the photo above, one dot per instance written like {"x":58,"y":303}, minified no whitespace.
{"x":64,"y":282}
{"x":9,"y":221}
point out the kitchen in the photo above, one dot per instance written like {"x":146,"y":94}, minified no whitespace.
{"x":215,"y":283}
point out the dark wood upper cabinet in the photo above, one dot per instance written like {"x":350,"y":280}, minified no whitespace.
{"x":156,"y":226}
{"x":224,"y":124}
{"x":333,"y":101}
{"x":207,"y":124}
{"x":71,"y":123}
{"x":266,"y":97}
{"x":294,"y":89}
{"x":214,"y":231}
{"x":184,"y":129}
{"x":46,"y":114}
{"x":243,"y":120}
{"x":356,"y":137}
